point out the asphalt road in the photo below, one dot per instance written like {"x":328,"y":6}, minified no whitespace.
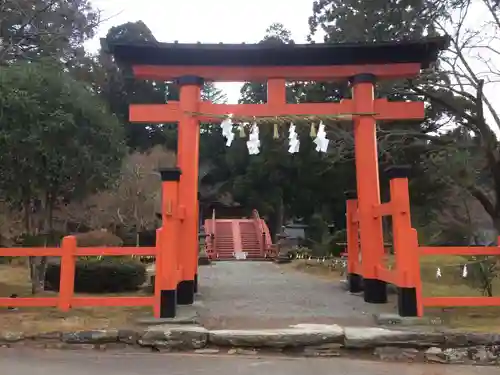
{"x":27,"y":362}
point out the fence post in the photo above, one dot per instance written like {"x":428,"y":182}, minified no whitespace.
{"x":354,"y":279}
{"x":158,"y":273}
{"x":67,"y":276}
{"x":415,"y":254}
{"x":171,"y":293}
{"x":403,"y":239}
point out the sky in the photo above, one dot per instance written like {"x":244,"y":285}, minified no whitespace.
{"x":207,"y":21}
{"x":236,"y":21}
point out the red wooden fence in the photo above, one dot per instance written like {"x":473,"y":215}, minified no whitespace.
{"x":68,"y":253}
{"x":405,"y":273}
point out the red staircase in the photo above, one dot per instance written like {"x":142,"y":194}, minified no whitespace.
{"x":237,"y":239}
{"x":225,"y":241}
{"x":249,"y":239}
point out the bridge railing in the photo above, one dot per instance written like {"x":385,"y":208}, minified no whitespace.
{"x":260,"y":231}
{"x":210,"y":237}
{"x":264,"y":236}
{"x":213,"y":236}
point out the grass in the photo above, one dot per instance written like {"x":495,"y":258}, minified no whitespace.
{"x":452,"y":284}
{"x":15,"y":279}
{"x":313,"y":268}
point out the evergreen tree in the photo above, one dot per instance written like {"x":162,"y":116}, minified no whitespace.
{"x":371,"y":21}
{"x":402,"y":142}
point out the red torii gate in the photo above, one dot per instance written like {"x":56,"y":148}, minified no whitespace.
{"x":190,"y":65}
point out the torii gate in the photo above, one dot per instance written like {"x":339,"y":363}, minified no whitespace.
{"x":363,"y":64}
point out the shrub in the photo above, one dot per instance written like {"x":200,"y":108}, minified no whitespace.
{"x":482,"y":272}
{"x":96,"y":238}
{"x":109,"y":275}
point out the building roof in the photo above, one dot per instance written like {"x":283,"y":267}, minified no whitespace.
{"x":423,"y":51}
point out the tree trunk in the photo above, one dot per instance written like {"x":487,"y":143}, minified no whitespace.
{"x":33,"y":274}
{"x":48,"y":241}
{"x":27,"y":216}
{"x":38,"y":268}
{"x":38,"y":265}
{"x":31,"y":260}
{"x":280,"y":212}
{"x":49,"y":231}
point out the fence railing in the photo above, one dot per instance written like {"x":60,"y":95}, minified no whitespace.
{"x":472,"y":301}
{"x":66,"y":298}
{"x":169,"y":262}
{"x":405,"y":272}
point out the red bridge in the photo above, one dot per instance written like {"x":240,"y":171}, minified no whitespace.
{"x":238,"y":239}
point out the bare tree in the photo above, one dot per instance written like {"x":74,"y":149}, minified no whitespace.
{"x":132,"y":202}
{"x":139,"y":188}
{"x":466,"y":92}
{"x":11,"y":224}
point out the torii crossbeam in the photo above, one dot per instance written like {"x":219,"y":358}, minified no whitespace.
{"x":172,"y":112}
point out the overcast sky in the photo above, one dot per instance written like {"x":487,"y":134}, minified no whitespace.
{"x":208,"y":21}
{"x":235,"y":21}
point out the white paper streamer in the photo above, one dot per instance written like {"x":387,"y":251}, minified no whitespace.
{"x":294,"y":143}
{"x":464,"y":271}
{"x":321,"y":141}
{"x":227,"y":130}
{"x":253,"y":143}
{"x":438,"y":273}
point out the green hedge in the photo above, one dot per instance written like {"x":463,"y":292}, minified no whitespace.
{"x":100,"y":276}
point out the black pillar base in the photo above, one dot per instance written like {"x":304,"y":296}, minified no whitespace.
{"x":168,"y":303}
{"x":407,"y":302}
{"x":355,"y":283}
{"x":185,"y":292}
{"x":375,"y":291}
{"x":195,"y":283}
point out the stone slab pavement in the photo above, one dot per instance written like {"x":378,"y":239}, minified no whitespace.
{"x":26,"y":362}
{"x":252,"y":295}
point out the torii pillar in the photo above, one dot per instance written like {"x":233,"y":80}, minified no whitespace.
{"x":368,"y":187}
{"x":188,"y":146}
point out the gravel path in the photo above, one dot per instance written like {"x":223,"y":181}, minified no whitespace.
{"x":267,"y":295}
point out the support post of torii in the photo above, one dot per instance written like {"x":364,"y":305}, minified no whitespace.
{"x":188,"y":161}
{"x":368,"y":186}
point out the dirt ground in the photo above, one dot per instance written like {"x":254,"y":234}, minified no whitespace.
{"x":451,"y":283}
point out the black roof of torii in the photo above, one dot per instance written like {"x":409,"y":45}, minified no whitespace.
{"x":423,"y":51}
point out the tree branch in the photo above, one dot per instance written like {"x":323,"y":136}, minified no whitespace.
{"x":483,"y":198}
